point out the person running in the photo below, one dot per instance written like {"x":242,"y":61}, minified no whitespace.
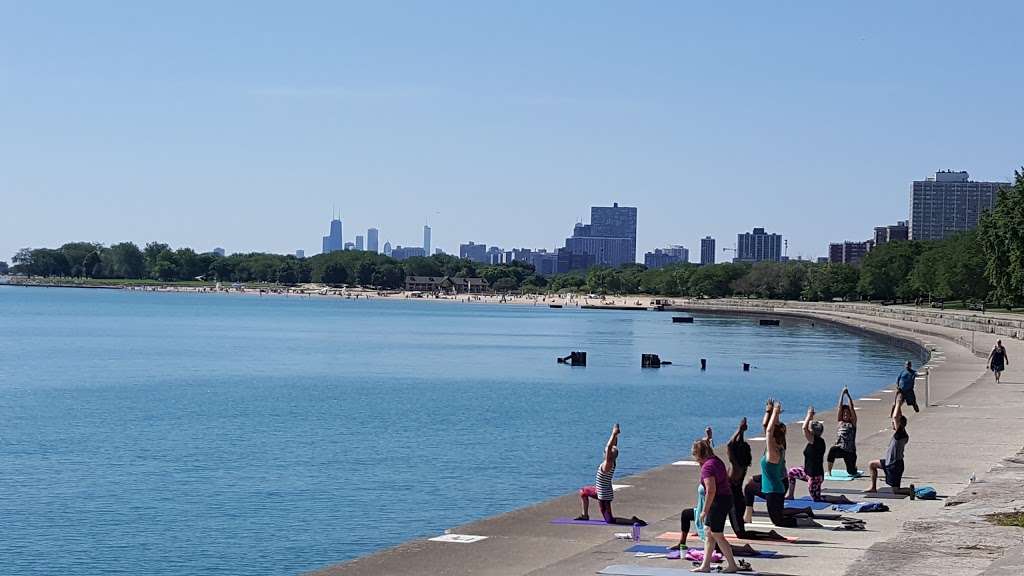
{"x":717,"y":502}
{"x":602,"y":491}
{"x":846,"y":435}
{"x":905,"y":385}
{"x":813,"y":470}
{"x":774,"y":477}
{"x":892,"y":464}
{"x":997,"y":360}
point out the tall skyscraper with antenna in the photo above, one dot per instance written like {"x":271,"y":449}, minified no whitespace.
{"x":426,"y":240}
{"x":332,"y":242}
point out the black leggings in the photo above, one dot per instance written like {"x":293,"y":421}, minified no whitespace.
{"x":685,"y":519}
{"x":776,"y":502}
{"x":849,"y":457}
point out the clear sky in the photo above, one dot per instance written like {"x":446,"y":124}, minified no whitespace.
{"x":240,"y":124}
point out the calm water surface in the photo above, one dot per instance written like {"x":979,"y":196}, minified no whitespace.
{"x":147,"y":433}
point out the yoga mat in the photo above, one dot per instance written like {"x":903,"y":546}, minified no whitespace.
{"x":638,"y":570}
{"x":675,"y":536}
{"x":580,"y":522}
{"x":675,"y":555}
{"x":843,"y":476}
{"x":648,"y":549}
{"x":802,"y":503}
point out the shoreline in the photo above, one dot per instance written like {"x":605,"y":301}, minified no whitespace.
{"x":521,"y":541}
{"x":656,"y":479}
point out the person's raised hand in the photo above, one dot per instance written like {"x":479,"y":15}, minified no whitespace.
{"x":615,"y":429}
{"x":707,"y":432}
{"x":743,"y":424}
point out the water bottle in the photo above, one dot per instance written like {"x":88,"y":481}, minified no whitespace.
{"x":636,"y":532}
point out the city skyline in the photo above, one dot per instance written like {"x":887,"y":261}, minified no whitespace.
{"x":240,"y":144}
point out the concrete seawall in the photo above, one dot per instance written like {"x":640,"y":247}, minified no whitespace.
{"x":950,"y":443}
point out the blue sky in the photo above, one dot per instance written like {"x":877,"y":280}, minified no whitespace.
{"x":240,"y":124}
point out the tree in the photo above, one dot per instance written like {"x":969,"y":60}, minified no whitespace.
{"x":92,"y":266}
{"x":333,"y":272}
{"x":388,"y":276}
{"x":505,"y":284}
{"x":364,"y":273}
{"x":886,"y":270}
{"x":124,"y":260}
{"x":151,"y":252}
{"x":1001,"y":232}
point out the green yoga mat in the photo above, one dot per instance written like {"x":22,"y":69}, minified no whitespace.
{"x":843,"y":476}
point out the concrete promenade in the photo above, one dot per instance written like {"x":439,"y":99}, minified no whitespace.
{"x":973,"y":427}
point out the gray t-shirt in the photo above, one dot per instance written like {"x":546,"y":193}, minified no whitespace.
{"x":847,"y":436}
{"x":894,"y":453}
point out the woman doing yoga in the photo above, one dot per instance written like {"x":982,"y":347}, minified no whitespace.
{"x":773,"y":478}
{"x":846,"y":435}
{"x":813,"y":470}
{"x":602,"y":490}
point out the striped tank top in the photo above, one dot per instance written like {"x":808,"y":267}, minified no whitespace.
{"x":603,"y":483}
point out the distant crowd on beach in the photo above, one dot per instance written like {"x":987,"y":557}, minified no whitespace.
{"x":725,"y":494}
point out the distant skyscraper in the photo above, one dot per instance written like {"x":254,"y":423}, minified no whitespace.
{"x":349,"y":246}
{"x":758,"y":246}
{"x":300,"y":253}
{"x":949,"y":203}
{"x":884,"y":234}
{"x":387,"y":248}
{"x":609,"y":239}
{"x":359,"y":242}
{"x":371,"y":240}
{"x":426,"y":239}
{"x":848,"y":252}
{"x":494,"y":255}
{"x":400,"y":253}
{"x":218,"y":251}
{"x":707,"y":250}
{"x":332,"y":242}
{"x":438,"y":251}
{"x":475,"y":252}
{"x":664,"y":257}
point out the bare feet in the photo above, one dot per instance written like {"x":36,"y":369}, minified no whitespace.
{"x":582,"y":517}
{"x":871,"y":490}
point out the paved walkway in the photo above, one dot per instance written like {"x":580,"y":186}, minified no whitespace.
{"x":972,"y":426}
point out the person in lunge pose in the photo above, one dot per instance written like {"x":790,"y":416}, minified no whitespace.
{"x":997,"y":360}
{"x":905,"y":385}
{"x":602,"y":491}
{"x":771,"y":484}
{"x":846,"y":435}
{"x":892,"y":464}
{"x":813,"y":470}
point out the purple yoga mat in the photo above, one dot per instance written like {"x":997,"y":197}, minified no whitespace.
{"x":583,"y":522}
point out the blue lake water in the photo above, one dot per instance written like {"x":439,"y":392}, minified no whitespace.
{"x":148,"y":433}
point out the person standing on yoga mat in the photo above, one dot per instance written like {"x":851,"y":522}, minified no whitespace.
{"x":602,"y":490}
{"x":997,"y":360}
{"x":892,"y":464}
{"x":846,"y":435}
{"x":774,"y":477}
{"x":715,"y":508}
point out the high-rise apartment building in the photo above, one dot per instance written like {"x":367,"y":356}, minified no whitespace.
{"x":848,"y":252}
{"x":387,"y":248}
{"x":400,"y":253}
{"x":662,"y":257}
{"x":349,"y":246}
{"x":758,"y":246}
{"x":707,"y":250}
{"x":219,"y":251}
{"x":300,"y":254}
{"x":359,"y":242}
{"x":475,"y":252}
{"x":892,"y":233}
{"x":609,"y":239}
{"x":495,"y":255}
{"x":949,"y":203}
{"x":426,"y":239}
{"x":372,"y":236}
{"x":333,"y":242}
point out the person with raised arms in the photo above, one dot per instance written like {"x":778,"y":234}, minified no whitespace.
{"x":602,"y":490}
{"x":846,"y":435}
{"x":892,"y":465}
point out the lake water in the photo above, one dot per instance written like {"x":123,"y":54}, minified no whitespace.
{"x":149,"y":433}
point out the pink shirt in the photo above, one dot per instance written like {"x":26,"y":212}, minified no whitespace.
{"x":714,"y":468}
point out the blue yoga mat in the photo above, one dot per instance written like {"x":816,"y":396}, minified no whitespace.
{"x":803,"y":503}
{"x":648,"y":549}
{"x":843,"y":476}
